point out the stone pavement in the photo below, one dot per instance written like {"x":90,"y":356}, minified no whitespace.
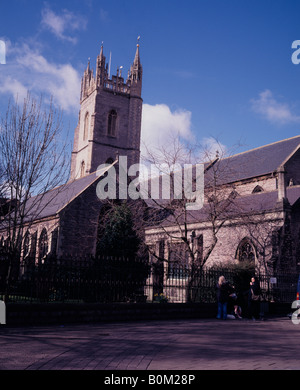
{"x":196,"y":344}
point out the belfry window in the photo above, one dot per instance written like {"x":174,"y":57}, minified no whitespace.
{"x":112,"y":123}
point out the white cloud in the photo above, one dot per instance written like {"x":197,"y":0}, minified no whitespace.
{"x":166,"y":134}
{"x":272,"y":110}
{"x":160,"y":125}
{"x":13,"y":87}
{"x":60,"y":24}
{"x":211,"y":148}
{"x":2,"y":52}
{"x":62,"y":81}
{"x":33,"y":72}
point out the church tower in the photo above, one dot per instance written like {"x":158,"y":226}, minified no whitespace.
{"x":109,"y":118}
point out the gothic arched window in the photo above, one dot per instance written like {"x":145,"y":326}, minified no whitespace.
{"x":86,"y":126}
{"x":26,"y":244}
{"x":43,"y":244}
{"x":246,"y":251}
{"x":112,"y":123}
{"x":33,"y":242}
{"x":257,"y":189}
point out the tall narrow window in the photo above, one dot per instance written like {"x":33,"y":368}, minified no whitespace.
{"x":82,"y":169}
{"x":43,"y":245}
{"x":86,"y":126}
{"x":26,"y":245}
{"x":112,"y":123}
{"x":178,"y":264}
{"x":54,"y":239}
{"x":33,"y":245}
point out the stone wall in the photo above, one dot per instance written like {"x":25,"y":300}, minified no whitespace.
{"x":60,"y":313}
{"x":229,"y":236}
{"x":79,"y":224}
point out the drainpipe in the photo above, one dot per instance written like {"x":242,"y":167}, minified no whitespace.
{"x":285,"y":257}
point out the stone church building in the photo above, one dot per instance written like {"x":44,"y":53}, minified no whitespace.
{"x":260,"y":188}
{"x":251,"y":212}
{"x":65,"y":219}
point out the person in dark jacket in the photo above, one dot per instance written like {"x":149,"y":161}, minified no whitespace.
{"x":223,"y":291}
{"x":254,"y":299}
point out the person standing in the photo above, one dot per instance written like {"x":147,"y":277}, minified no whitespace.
{"x":254,"y":299}
{"x":223,"y":291}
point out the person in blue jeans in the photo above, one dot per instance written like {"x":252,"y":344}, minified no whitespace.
{"x":223,"y":292}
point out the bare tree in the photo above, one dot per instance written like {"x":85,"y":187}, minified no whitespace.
{"x":171,"y":216}
{"x":34,"y":159}
{"x":271,"y":238}
{"x":175,"y":210}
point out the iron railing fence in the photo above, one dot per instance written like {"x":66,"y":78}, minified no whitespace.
{"x":110,"y":280}
{"x":77,"y":280}
{"x":279,"y":286}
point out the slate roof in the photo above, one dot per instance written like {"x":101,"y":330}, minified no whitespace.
{"x":53,"y":201}
{"x":255,"y":162}
{"x":253,"y":203}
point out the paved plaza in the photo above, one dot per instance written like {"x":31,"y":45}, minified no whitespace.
{"x":196,"y":344}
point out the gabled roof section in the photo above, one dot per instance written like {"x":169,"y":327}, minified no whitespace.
{"x":53,"y":201}
{"x":256,"y":162}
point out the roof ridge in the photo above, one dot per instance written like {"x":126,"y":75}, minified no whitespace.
{"x":62,"y":185}
{"x":261,"y":147}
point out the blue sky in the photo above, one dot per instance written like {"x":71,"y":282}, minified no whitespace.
{"x":212,"y":68}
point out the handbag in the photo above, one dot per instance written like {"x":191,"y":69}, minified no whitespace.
{"x":255,"y":297}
